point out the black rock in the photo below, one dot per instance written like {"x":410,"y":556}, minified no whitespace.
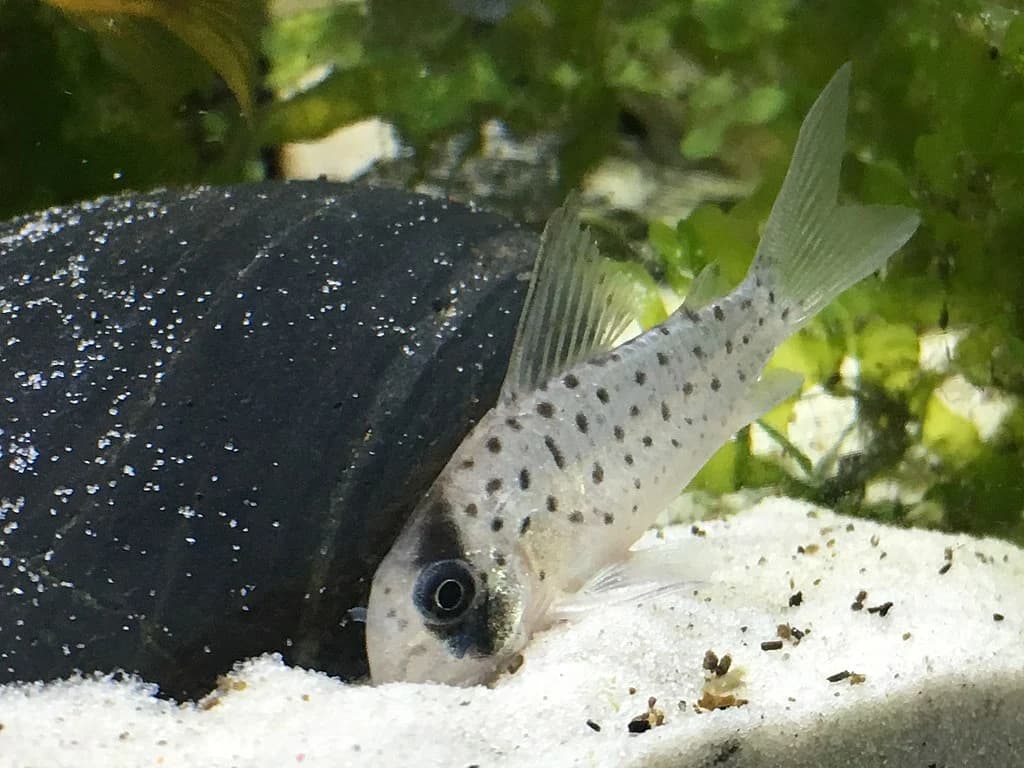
{"x":216,"y":410}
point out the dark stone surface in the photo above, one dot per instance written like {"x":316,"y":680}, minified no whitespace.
{"x":217,"y":409}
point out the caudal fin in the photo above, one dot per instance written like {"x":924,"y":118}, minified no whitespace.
{"x":813,"y":248}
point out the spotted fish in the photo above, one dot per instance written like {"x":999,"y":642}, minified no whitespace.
{"x":589,"y":442}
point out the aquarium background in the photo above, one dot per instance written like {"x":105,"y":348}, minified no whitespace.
{"x":696,"y":103}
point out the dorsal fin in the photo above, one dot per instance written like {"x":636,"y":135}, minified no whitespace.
{"x":708,"y":285}
{"x":576,"y":306}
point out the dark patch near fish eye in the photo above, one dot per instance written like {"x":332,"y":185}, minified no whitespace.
{"x":620,"y":433}
{"x":785,"y":313}
{"x":640,"y":377}
{"x":467,"y":464}
{"x":664,"y":331}
{"x":634,"y":410}
{"x":493,"y":486}
{"x":546,"y":409}
{"x":571,"y":381}
{"x":576,"y":516}
{"x":555,"y":451}
{"x":439,"y":540}
{"x":698,"y":352}
{"x":647,"y":441}
{"x":741,"y":375}
{"x":581,"y":422}
{"x":441,"y":507}
{"x":471,"y":509}
{"x":719,"y":314}
{"x":629,"y":459}
{"x":552,"y":504}
{"x":688,"y":388}
{"x":728,"y":346}
{"x":514,"y":424}
{"x":666,"y":414}
{"x":497,"y":524}
{"x":609,"y":518}
{"x":771,"y":297}
{"x":662,"y":358}
{"x":524,"y":525}
{"x":597,"y":474}
{"x":715,"y":383}
{"x":676,"y":443}
{"x":494,"y":445}
{"x":524,"y":478}
{"x":746,"y":339}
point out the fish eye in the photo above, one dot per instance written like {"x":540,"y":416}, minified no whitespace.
{"x":444,"y":591}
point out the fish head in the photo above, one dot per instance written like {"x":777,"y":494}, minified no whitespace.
{"x":445,"y":609}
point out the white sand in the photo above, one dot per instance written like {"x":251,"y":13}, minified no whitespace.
{"x":943,"y":680}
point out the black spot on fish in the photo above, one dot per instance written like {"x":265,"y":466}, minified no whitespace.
{"x":715,"y":383}
{"x":676,"y":443}
{"x":620,"y":433}
{"x":746,"y":339}
{"x":524,"y":526}
{"x":524,"y":478}
{"x":467,"y":464}
{"x":597,"y":474}
{"x":760,"y":322}
{"x":493,"y":486}
{"x":497,"y":524}
{"x":514,"y":424}
{"x":719,"y":314}
{"x":615,"y":357}
{"x":546,"y":409}
{"x":576,"y":516}
{"x":640,"y":377}
{"x":552,"y":504}
{"x":687,"y":388}
{"x":635,"y":509}
{"x":602,"y":394}
{"x":698,"y":352}
{"x":647,"y":441}
{"x":609,"y":518}
{"x":692,"y":316}
{"x":636,"y":483}
{"x":629,"y":459}
{"x":471,"y":510}
{"x":542,"y":575}
{"x":634,"y":410}
{"x":785,"y":313}
{"x":771,"y":297}
{"x":494,"y":445}
{"x":666,"y":414}
{"x":581,"y":423}
{"x":556,"y":453}
{"x":741,"y":375}
{"x":499,"y":559}
{"x":745,"y":304}
{"x":664,"y":331}
{"x":728,"y":347}
{"x":662,"y":358}
{"x":689,"y":421}
{"x":571,"y":381}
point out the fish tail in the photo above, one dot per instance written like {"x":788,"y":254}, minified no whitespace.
{"x":813,"y":248}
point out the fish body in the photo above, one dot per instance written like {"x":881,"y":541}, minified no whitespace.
{"x":589,"y":443}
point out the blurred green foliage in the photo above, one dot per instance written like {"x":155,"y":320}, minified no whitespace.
{"x":937,"y":122}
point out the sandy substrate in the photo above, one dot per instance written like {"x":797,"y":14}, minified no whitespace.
{"x":935,"y":656}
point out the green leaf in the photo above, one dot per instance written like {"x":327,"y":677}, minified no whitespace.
{"x":949,"y":434}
